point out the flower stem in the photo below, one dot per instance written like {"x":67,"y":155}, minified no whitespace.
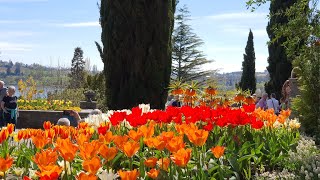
{"x":130,"y":163}
{"x":65,"y":169}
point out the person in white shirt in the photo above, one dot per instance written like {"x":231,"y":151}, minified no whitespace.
{"x":272,"y":103}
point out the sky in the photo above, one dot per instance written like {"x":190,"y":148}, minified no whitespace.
{"x":47,"y":31}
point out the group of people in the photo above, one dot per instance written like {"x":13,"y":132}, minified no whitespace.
{"x":174,"y":101}
{"x":9,"y":106}
{"x":271,"y":102}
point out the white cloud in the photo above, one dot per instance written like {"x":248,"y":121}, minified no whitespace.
{"x":18,"y":21}
{"x":7,"y":46}
{"x":244,"y":30}
{"x":12,"y":34}
{"x":80,"y":24}
{"x":21,"y":1}
{"x":237,"y":16}
{"x":221,"y":49}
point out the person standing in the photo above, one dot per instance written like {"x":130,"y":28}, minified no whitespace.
{"x":272,"y":103}
{"x":9,"y":106}
{"x":176,"y":102}
{"x":263,"y":102}
{"x":3,"y":93}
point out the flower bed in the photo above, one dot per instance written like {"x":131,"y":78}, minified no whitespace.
{"x":43,"y":104}
{"x":179,"y":143}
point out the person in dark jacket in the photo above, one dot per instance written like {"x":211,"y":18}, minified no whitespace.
{"x":9,"y":106}
{"x":3,"y":93}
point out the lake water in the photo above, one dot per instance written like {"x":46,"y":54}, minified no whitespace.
{"x":46,"y":90}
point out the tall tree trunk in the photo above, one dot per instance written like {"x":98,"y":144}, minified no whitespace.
{"x":136,"y":35}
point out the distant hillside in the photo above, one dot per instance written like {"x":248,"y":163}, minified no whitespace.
{"x":44,"y":76}
{"x":229,"y":80}
{"x":58,"y":76}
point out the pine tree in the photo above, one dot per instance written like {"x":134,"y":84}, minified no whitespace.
{"x":77,"y":69}
{"x":17,"y":71}
{"x":187,"y":59}
{"x":248,"y":79}
{"x":8,"y":72}
{"x":136,"y":39}
{"x":280,"y":66}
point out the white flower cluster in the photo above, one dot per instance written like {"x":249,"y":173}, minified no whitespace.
{"x":291,"y":123}
{"x":307,"y":155}
{"x":274,"y":175}
{"x":96,"y":119}
{"x":306,"y":150}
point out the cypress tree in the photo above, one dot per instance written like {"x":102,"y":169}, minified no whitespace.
{"x":77,"y":69}
{"x":248,"y":78}
{"x":280,"y":65}
{"x":187,"y":59}
{"x":136,"y":38}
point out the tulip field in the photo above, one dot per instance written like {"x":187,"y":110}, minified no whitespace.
{"x":178,"y":143}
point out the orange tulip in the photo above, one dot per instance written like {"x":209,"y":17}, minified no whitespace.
{"x":92,"y":165}
{"x":4,"y":134}
{"x":151,"y":162}
{"x":198,"y":137}
{"x":175,"y":144}
{"x":149,"y":142}
{"x":21,"y":134}
{"x":50,"y":133}
{"x":131,"y":148}
{"x":5,"y":163}
{"x":45,"y":158}
{"x":134,"y":135}
{"x":57,"y":129}
{"x":66,"y":148}
{"x":285,"y":113}
{"x":65,"y":133}
{"x":147,"y":131}
{"x":128,"y":175}
{"x":120,"y":141}
{"x":84,"y":176}
{"x":82,"y":138}
{"x":218,"y":151}
{"x":89,"y":150}
{"x":51,"y":173}
{"x":108,"y":153}
{"x":10,"y":128}
{"x":83,"y":125}
{"x":47,"y":125}
{"x":167,"y":136}
{"x":153,"y":173}
{"x":181,"y":128}
{"x":107,"y":138}
{"x":182,"y":157}
{"x":159,"y":143}
{"x":281,"y":119}
{"x":164,"y":163}
{"x":40,"y":141}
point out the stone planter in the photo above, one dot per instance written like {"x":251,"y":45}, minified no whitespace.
{"x":90,"y":95}
{"x":35,"y":118}
{"x":89,"y":103}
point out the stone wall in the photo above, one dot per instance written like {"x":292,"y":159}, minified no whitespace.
{"x":35,"y":118}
